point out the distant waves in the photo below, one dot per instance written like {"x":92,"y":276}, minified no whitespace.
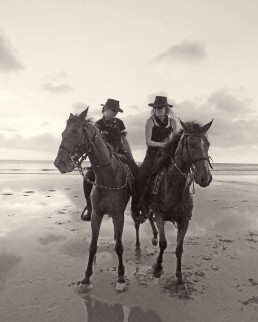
{"x":47,"y":167}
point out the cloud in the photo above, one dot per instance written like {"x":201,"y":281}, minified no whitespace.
{"x":44,"y":142}
{"x":135,"y":125}
{"x":233,"y":134}
{"x":57,"y":89}
{"x":58,"y":76}
{"x":228,"y":104}
{"x":235,"y":120}
{"x":9,"y":129}
{"x":8,"y":61}
{"x":78,"y":107}
{"x":190,"y":52}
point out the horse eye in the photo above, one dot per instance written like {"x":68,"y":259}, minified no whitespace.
{"x":75,"y":131}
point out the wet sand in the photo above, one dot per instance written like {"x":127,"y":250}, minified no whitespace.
{"x":44,"y":251}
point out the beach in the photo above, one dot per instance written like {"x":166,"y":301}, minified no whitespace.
{"x":44,"y":251}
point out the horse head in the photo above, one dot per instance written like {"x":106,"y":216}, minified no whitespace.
{"x":194,"y":151}
{"x":76,"y":141}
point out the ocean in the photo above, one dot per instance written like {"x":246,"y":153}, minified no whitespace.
{"x":47,"y":167}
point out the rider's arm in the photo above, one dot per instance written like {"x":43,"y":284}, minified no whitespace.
{"x":148,"y":133}
{"x":122,"y":127}
{"x":174,"y":126}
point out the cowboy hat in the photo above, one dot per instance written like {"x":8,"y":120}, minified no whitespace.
{"x":160,"y":101}
{"x":113,"y":105}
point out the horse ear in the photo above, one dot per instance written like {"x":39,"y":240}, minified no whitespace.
{"x":206,"y":127}
{"x":71,"y":115}
{"x":83,"y":114}
{"x":184,"y":126}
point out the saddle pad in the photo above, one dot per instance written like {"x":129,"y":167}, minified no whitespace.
{"x":156,"y":182}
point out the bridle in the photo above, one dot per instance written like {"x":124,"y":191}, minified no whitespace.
{"x":77,"y":161}
{"x":193,"y":169}
{"x":73,"y":154}
{"x":185,"y":142}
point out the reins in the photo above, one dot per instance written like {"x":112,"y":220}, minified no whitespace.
{"x":189,"y":177}
{"x":127,"y":172}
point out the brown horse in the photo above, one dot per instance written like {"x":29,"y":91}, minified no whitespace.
{"x":188,"y":161}
{"x":111,"y":191}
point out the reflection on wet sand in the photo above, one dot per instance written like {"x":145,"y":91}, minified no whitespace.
{"x":98,"y":311}
{"x":50,"y":238}
{"x":19,"y":212}
{"x":7,"y":263}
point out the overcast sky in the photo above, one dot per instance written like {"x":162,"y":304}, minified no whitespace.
{"x":58,"y":56}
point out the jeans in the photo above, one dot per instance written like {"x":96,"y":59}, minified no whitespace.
{"x":144,"y":173}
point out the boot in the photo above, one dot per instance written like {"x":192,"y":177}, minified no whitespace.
{"x":136,"y":213}
{"x":86,"y":214}
{"x":141,"y":209}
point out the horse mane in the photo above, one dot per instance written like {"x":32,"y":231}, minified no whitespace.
{"x":170,"y":148}
{"x":194,"y":127}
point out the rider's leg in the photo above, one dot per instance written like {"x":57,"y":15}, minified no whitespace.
{"x":87,"y":186}
{"x":141,"y":182}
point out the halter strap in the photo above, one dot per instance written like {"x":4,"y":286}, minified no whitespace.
{"x":73,"y":153}
{"x":188,"y":152}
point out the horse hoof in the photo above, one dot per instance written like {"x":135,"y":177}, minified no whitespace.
{"x":180,"y":281}
{"x":179,"y":278}
{"x":157,"y":274}
{"x":85,"y":288}
{"x":154,"y":241}
{"x":157,"y":270}
{"x":138,"y":250}
{"x":121,"y":287}
{"x":182,"y":287}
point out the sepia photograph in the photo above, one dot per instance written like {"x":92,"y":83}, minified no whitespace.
{"x":128,"y":161}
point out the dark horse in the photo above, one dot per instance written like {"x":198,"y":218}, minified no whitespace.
{"x":187,"y":161}
{"x":111,"y":191}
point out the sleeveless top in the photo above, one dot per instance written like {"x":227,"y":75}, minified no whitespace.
{"x":161,"y":133}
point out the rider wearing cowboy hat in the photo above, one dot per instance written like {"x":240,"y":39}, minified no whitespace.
{"x":113,"y":131}
{"x":159,"y":129}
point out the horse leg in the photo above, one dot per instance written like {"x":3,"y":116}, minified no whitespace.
{"x":137,"y":244}
{"x":154,"y":230}
{"x":114,"y":230}
{"x":162,"y":245}
{"x":118,"y":226}
{"x":95,"y":227}
{"x":182,"y":229}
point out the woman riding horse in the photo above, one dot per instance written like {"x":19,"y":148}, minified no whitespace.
{"x":186,"y":160}
{"x":111,"y":128}
{"x":159,"y":129}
